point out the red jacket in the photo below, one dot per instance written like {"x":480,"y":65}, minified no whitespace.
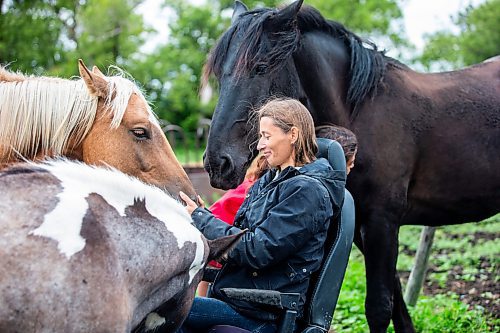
{"x":227,"y":206}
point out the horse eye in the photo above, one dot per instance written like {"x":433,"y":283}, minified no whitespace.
{"x":140,"y":133}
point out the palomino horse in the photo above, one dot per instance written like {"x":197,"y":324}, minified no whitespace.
{"x":90,"y":249}
{"x":100,"y":120}
{"x":428,"y":143}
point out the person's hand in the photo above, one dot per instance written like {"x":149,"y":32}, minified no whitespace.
{"x":190,"y":204}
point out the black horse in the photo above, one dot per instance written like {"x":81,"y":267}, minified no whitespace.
{"x":428,"y":143}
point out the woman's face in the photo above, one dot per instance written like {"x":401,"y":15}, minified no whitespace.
{"x":275,"y":145}
{"x":350,"y":162}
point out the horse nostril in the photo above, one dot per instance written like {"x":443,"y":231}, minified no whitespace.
{"x":206,"y":163}
{"x":226,"y":166}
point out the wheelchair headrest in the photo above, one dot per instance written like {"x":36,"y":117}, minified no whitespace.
{"x":333,"y":152}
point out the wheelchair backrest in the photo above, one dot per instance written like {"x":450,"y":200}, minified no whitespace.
{"x":326,"y":283}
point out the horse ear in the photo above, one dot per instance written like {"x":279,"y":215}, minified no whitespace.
{"x":220,"y":247}
{"x":97,"y":85}
{"x":239,"y":8}
{"x":289,"y":12}
{"x":97,"y":71}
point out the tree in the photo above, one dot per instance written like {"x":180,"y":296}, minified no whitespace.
{"x":380,"y":18}
{"x":50,"y":35}
{"x":172,"y":71}
{"x":110,"y":31}
{"x":478,"y":39}
{"x":29,"y":34}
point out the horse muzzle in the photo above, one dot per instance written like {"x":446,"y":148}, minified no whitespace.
{"x":223,"y":172}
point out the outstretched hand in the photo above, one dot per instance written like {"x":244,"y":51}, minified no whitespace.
{"x":190,"y":204}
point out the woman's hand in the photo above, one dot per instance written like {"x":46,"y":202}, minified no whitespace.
{"x":190,"y":204}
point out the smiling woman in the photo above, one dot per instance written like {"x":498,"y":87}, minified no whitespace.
{"x":281,"y":142}
{"x":287,"y":212}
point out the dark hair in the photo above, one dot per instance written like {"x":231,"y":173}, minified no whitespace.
{"x":342,"y":135}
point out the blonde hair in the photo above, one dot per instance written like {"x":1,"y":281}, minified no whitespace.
{"x":287,"y":113}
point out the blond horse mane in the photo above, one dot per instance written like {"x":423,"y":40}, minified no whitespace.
{"x":39,"y":115}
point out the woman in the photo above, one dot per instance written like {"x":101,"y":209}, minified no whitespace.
{"x":287,"y":214}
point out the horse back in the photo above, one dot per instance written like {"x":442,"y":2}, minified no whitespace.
{"x":110,"y":285}
{"x":434,"y":152}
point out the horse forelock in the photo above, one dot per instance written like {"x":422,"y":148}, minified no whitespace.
{"x":41,"y":114}
{"x":367,"y":66}
{"x":120,"y":91}
{"x":252,"y":53}
{"x":120,"y":191}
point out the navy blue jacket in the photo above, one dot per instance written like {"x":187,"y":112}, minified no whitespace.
{"x":287,"y":219}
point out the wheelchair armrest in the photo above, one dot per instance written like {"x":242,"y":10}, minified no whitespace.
{"x":210,"y":273}
{"x":287,"y":301}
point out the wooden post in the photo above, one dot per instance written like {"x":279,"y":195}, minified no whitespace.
{"x":417,"y":275}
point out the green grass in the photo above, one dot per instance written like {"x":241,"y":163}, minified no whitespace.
{"x":189,"y":157}
{"x":445,"y":313}
{"x":439,"y":313}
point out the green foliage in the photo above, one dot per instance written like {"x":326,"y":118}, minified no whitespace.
{"x":175,"y":68}
{"x":446,"y":314}
{"x":478,"y":38}
{"x":367,"y":18}
{"x":29,"y":34}
{"x":110,"y":32}
{"x":47,"y":37}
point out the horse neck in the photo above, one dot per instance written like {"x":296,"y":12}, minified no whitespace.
{"x":322,"y":63}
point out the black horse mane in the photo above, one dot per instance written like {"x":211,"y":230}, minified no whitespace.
{"x":367,"y":66}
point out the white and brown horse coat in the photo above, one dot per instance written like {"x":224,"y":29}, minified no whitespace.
{"x":86,"y":249}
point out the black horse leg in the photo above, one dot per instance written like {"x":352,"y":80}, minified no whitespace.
{"x":380,"y":244}
{"x":400,"y":316}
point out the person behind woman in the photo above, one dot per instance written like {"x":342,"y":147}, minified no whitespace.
{"x":345,"y":137}
{"x":287,"y":215}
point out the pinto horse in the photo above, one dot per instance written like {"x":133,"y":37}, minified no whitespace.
{"x":428,"y":143}
{"x":98,"y":119}
{"x":90,"y":249}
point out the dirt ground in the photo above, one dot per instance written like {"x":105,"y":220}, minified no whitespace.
{"x":483,"y":290}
